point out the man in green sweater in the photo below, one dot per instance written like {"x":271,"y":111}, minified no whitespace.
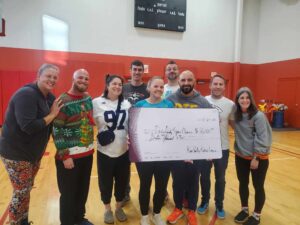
{"x":73,"y":138}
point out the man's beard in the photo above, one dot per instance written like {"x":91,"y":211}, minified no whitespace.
{"x":186,"y":89}
{"x":172,"y":77}
{"x":80,"y":89}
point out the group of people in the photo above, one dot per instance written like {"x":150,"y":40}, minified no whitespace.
{"x":34,"y":114}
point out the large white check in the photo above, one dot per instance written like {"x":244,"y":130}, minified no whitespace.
{"x":161,"y":134}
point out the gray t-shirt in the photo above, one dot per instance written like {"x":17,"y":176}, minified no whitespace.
{"x":190,"y":102}
{"x":135,"y":93}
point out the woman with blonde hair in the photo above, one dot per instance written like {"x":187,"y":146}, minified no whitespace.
{"x":160,"y":170}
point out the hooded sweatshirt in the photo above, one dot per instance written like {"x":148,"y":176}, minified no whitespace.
{"x":191,"y":102}
{"x":253,"y":137}
{"x":194,"y":101}
{"x":24,"y":133}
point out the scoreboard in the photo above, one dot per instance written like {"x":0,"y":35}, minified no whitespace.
{"x":160,"y":14}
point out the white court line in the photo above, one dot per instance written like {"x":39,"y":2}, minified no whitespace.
{"x":286,"y":158}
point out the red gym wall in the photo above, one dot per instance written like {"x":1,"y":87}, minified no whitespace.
{"x":19,"y":66}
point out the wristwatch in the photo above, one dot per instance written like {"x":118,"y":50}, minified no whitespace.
{"x":256,"y":158}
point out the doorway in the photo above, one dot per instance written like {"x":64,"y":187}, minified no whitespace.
{"x":289,"y":94}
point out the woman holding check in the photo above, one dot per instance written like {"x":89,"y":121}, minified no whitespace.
{"x":161,"y":169}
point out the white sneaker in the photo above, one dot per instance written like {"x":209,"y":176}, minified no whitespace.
{"x":145,"y":220}
{"x":157,"y":220}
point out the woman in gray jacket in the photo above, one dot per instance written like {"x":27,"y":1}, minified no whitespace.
{"x":25,"y":134}
{"x":253,"y":137}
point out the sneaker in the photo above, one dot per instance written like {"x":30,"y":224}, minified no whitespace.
{"x":191,"y":217}
{"x":125,"y":200}
{"x":85,"y":222}
{"x":175,"y":216}
{"x":252,"y":221}
{"x":25,"y":221}
{"x":109,"y":217}
{"x":185,"y":203}
{"x":120,"y":214}
{"x":145,"y":220}
{"x":167,"y":198}
{"x":202,"y":209}
{"x":157,"y":220}
{"x":220,"y":213}
{"x":241,"y":217}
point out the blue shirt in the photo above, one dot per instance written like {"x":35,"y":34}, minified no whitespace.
{"x":162,"y":104}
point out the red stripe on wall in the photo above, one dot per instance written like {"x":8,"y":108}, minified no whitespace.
{"x":262,"y":79}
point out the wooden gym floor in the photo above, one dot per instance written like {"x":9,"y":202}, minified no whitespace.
{"x":282,"y":190}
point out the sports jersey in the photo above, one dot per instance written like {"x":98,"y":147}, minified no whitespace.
{"x":104,"y":114}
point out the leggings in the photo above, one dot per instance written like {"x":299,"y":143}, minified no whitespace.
{"x":258,"y":179}
{"x":161,"y":172}
{"x":21,"y":175}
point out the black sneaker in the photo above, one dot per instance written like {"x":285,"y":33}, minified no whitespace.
{"x":251,"y":221}
{"x":125,"y":200}
{"x":25,"y":222}
{"x":85,"y":221}
{"x":241,"y":217}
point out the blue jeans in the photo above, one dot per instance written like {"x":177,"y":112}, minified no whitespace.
{"x":220,"y":166}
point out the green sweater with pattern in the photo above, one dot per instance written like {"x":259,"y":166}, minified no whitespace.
{"x":73,"y":127}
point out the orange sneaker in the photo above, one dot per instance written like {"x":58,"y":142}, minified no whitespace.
{"x":191,"y":217}
{"x":175,"y":216}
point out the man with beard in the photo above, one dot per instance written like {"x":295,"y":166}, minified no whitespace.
{"x":185,"y":173}
{"x":172,"y":73}
{"x":73,"y":137}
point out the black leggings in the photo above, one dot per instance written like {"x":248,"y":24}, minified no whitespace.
{"x":110,"y":171}
{"x":161,"y":173}
{"x":258,"y":179}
